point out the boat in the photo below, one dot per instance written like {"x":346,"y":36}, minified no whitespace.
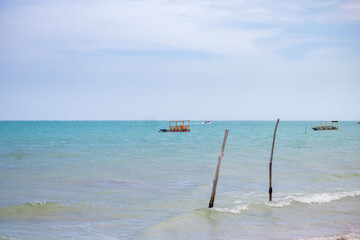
{"x":334,"y":126}
{"x":177,"y":126}
{"x":207,"y":122}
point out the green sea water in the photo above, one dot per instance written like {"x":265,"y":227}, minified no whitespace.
{"x":125,"y":180}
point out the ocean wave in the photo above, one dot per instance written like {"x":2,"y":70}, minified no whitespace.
{"x":350,"y":236}
{"x":315,"y":198}
{"x":113,"y":182}
{"x":235,"y":210}
{"x":6,"y":238}
{"x":35,"y":209}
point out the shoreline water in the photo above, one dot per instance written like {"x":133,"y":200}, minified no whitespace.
{"x":124,"y":180}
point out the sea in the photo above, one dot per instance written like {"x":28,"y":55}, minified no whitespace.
{"x":125,"y":180}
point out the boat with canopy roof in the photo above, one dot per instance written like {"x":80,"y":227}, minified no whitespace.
{"x":334,"y":126}
{"x":177,"y":126}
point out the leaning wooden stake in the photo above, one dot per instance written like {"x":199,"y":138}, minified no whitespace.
{"x":221,"y":155}
{"x":270,"y":164}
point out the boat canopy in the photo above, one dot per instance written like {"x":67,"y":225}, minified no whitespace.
{"x":179,"y":125}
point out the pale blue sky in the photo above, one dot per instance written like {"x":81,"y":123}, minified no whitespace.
{"x":168,"y":59}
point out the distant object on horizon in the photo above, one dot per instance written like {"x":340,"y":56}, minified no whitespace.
{"x":326,"y":126}
{"x":358,"y":122}
{"x":207,"y":122}
{"x":178,"y":126}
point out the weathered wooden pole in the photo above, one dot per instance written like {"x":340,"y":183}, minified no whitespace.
{"x":270,"y":164}
{"x":221,"y":155}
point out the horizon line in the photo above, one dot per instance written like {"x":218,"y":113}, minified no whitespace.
{"x":127,"y":120}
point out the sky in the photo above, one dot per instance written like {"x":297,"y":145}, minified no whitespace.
{"x":170,"y":59}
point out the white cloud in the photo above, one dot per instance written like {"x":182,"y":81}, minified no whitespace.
{"x":85,"y":26}
{"x":352,"y":10}
{"x":228,"y":27}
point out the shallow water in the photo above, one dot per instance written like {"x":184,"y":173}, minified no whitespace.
{"x":124,"y":180}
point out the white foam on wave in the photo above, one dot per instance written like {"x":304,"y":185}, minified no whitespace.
{"x":39,"y":203}
{"x":350,"y":236}
{"x":6,"y":238}
{"x":326,"y":197}
{"x":279,"y":204}
{"x":235,"y":210}
{"x":315,"y":198}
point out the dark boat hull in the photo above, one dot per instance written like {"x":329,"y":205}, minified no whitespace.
{"x":324,"y":128}
{"x":167,"y":130}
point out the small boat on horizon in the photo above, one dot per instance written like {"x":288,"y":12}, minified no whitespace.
{"x":207,"y":122}
{"x":177,"y":126}
{"x":326,"y":126}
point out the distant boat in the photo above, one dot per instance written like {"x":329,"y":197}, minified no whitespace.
{"x":177,"y":126}
{"x":207,"y":122}
{"x":326,"y":126}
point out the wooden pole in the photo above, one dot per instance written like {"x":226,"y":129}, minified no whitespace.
{"x":221,"y":155}
{"x":270,"y":164}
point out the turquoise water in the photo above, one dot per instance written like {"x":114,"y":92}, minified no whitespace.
{"x":125,"y":180}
